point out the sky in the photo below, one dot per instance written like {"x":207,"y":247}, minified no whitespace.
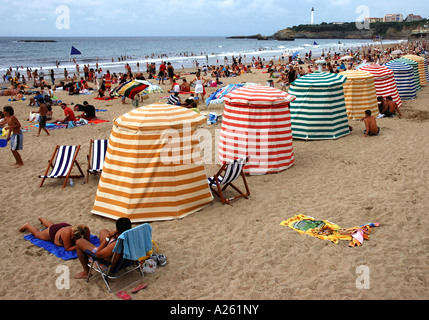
{"x":62,"y":18}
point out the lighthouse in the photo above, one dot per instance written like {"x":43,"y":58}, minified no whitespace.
{"x":312,"y":16}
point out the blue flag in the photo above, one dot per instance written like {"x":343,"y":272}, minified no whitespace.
{"x":74,"y":51}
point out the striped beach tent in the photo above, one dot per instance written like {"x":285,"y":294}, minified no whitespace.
{"x":415,"y":66}
{"x":256,"y":123}
{"x":153,"y":169}
{"x":319,"y":111}
{"x":426,"y":70}
{"x":359,"y":94}
{"x":404,"y":78}
{"x":217,"y":96}
{"x":385,"y":84}
{"x":421,"y":65}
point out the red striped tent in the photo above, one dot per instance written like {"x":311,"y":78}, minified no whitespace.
{"x":256,"y":123}
{"x":385,"y":84}
{"x":153,"y":169}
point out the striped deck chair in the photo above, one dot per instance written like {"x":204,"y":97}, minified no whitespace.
{"x":63,"y":165}
{"x":97,"y":152}
{"x":231,"y":172}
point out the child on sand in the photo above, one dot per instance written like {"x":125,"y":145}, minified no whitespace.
{"x":371,"y":128}
{"x":14,"y":134}
{"x":43,"y":110}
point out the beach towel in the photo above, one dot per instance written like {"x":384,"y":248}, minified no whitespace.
{"x":59,"y":252}
{"x":105,"y":99}
{"x":133,"y":239}
{"x":326,"y":230}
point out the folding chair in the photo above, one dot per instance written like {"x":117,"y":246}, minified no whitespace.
{"x":97,"y":150}
{"x":129,"y":253}
{"x":63,"y":166}
{"x":218,"y":183}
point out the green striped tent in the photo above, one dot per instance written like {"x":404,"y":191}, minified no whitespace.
{"x":415,"y":66}
{"x":319,"y":110}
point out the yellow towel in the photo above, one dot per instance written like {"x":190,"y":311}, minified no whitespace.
{"x":322,"y":229}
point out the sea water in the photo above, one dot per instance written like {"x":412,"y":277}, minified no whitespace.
{"x":113,"y":53}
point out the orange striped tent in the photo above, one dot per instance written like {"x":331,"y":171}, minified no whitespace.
{"x":359,"y":94}
{"x":153,"y":169}
{"x":256,"y":123}
{"x":421,"y":66}
{"x":384,"y":79}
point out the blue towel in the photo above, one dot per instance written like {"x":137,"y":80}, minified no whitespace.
{"x":60,"y":252}
{"x":136,"y":242}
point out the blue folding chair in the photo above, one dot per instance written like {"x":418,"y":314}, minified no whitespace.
{"x":129,"y":252}
{"x":63,"y":165}
{"x":228,"y":173}
{"x":96,"y":155}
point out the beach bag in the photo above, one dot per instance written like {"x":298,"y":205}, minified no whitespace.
{"x":149,"y":266}
{"x":70,"y":125}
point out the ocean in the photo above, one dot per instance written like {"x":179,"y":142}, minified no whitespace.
{"x":113,"y":53}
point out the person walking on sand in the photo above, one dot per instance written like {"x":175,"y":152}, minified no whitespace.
{"x":371,"y":128}
{"x":43,"y":111}
{"x":14,"y":135}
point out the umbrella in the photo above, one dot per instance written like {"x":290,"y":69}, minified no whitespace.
{"x":295,"y":54}
{"x":345,"y":58}
{"x":397,"y":52}
{"x":130,"y":88}
{"x":152,"y":88}
{"x":217,"y":96}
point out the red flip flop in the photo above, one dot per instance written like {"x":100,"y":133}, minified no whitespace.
{"x":139,"y":287}
{"x":123,"y":295}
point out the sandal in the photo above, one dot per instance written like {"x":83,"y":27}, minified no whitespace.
{"x":139,"y":287}
{"x":123,"y":295}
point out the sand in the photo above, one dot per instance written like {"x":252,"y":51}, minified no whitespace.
{"x":240,"y":251}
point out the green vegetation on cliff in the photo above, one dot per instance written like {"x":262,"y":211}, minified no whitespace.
{"x":377,"y":28}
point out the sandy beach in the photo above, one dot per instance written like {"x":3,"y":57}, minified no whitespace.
{"x":240,"y":252}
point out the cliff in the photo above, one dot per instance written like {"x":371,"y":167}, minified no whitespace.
{"x":347,"y":30}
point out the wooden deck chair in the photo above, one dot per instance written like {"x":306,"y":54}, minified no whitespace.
{"x":97,"y":152}
{"x":129,"y":254}
{"x":232,"y":171}
{"x":63,"y":165}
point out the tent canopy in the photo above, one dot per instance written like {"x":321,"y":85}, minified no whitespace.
{"x":421,"y":65}
{"x":404,"y":78}
{"x":359,"y":94}
{"x":319,"y":111}
{"x":153,"y":169}
{"x":256,"y":123}
{"x":385,"y":84}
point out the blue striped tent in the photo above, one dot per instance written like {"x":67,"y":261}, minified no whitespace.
{"x":404,"y":78}
{"x":319,"y":111}
{"x":415,"y":66}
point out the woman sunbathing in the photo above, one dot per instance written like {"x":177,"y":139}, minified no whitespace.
{"x":61,"y":234}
